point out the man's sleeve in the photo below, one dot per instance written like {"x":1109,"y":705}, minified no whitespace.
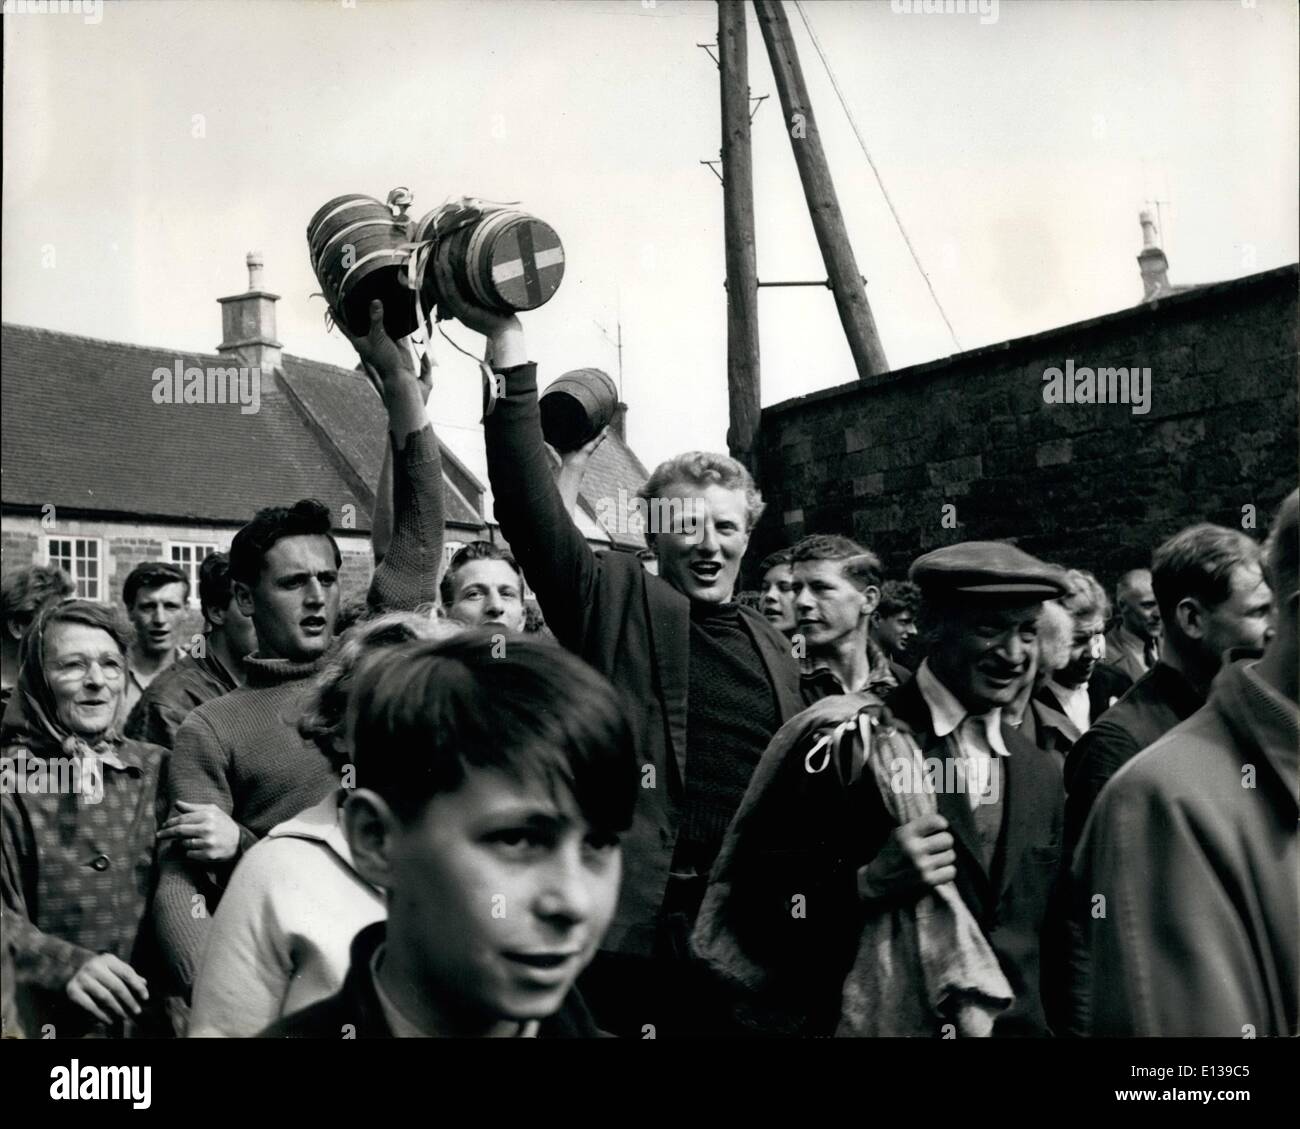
{"x":409,"y":573}
{"x":554,"y":556}
{"x":40,"y":958}
{"x":198,"y":772}
{"x":154,"y":721}
{"x":1095,"y":758}
{"x":1161,"y":940}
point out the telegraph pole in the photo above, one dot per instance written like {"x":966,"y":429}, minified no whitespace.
{"x":823,"y":205}
{"x":738,"y":226}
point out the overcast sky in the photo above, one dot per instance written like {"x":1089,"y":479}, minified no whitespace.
{"x":1018,"y":153}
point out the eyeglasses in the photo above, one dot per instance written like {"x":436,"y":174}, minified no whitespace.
{"x":77,"y":668}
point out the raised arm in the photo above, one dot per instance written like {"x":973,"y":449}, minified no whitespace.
{"x":408,"y":524}
{"x":556,"y":560}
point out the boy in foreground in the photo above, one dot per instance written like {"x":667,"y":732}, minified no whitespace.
{"x":493,"y":780}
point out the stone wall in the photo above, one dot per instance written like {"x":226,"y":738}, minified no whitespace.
{"x":967,"y":448}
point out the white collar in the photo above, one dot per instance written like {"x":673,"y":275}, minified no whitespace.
{"x":947,"y":713}
{"x":1067,"y":693}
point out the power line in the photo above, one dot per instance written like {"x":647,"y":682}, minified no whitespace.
{"x":848,"y":113}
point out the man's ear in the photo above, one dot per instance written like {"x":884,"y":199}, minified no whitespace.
{"x":1190,"y":617}
{"x":870,"y":601}
{"x":371,"y":826}
{"x":216,"y":616}
{"x":244,"y":597}
{"x":15,"y":631}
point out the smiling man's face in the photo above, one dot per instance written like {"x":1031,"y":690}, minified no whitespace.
{"x":704,"y":536}
{"x":983,"y":652}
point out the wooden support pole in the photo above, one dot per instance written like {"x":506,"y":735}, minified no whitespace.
{"x":823,"y":206}
{"x":738,"y":225}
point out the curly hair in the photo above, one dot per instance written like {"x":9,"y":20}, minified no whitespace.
{"x":703,"y":468}
{"x":325,"y":709}
{"x":306,"y":518}
{"x":898,"y":596}
{"x":25,"y":593}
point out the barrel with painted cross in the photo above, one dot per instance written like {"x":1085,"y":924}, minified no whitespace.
{"x":506,"y":260}
{"x":358,"y":252}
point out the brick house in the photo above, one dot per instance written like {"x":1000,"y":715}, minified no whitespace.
{"x":103,"y":469}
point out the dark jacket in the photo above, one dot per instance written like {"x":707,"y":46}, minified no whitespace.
{"x":1153,"y":705}
{"x":1048,"y":726}
{"x":1016,"y":900}
{"x":631,"y":626}
{"x":1193,"y":845}
{"x":354,"y":1012}
{"x":174,"y":695}
{"x":814,"y":832}
{"x":1106,"y":685}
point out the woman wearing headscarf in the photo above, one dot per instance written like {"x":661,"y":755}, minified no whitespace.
{"x":80,"y":807}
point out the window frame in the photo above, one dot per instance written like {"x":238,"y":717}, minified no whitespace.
{"x":79,"y":581}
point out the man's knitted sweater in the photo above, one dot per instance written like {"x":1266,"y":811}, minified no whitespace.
{"x":241,"y":752}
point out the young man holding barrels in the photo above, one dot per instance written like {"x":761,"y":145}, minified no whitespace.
{"x":707,"y":682}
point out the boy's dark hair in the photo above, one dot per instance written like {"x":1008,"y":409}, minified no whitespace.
{"x":150,"y":575}
{"x":474,"y":551}
{"x":215,"y":589}
{"x":772,"y":560}
{"x":306,"y":518}
{"x":898,"y":596}
{"x":861,"y":565}
{"x":422,"y":713}
{"x":1199,"y":561}
{"x":25,"y":593}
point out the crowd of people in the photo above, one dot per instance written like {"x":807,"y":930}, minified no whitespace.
{"x":966,"y":802}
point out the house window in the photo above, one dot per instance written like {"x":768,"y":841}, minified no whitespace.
{"x":80,"y":558}
{"x":188,"y":555}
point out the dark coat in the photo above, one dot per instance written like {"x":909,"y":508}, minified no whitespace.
{"x":1157,"y":702}
{"x":815,"y":830}
{"x":1015,"y":901}
{"x":1106,"y":686}
{"x":1048,"y":726}
{"x":631,"y":626}
{"x":171,"y":697}
{"x":354,"y":1010}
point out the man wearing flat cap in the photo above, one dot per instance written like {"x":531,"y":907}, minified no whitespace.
{"x":1000,"y":842}
{"x":816,"y":864}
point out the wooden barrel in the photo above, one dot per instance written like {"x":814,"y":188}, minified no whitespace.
{"x":355,"y":246}
{"x":507,"y":261}
{"x":576,"y":406}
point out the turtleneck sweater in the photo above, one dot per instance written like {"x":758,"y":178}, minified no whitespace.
{"x":241,"y":752}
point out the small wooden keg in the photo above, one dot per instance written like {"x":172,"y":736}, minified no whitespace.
{"x":576,"y":406}
{"x":506,"y":260}
{"x":355,"y":244}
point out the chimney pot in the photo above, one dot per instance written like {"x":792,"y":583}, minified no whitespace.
{"x":248,"y":322}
